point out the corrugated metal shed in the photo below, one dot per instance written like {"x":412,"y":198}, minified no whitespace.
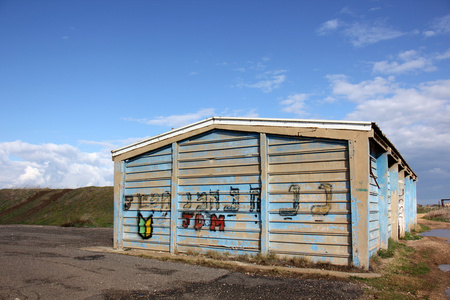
{"x":331,"y":191}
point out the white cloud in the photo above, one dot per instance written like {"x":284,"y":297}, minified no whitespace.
{"x":52,"y":165}
{"x":415,"y":119}
{"x":370,"y":89}
{"x":268,"y":81}
{"x":250,"y":113}
{"x":439,"y":26}
{"x":328,"y":26}
{"x":444,"y":55}
{"x":410,"y":61}
{"x":176,"y":121}
{"x":360,"y":34}
{"x":295,"y":104}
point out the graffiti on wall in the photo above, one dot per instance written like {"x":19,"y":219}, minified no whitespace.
{"x":255,"y":199}
{"x":288,"y":211}
{"x":212,"y":221}
{"x":324,"y":209}
{"x":151,"y":201}
{"x":206,"y":200}
{"x":315,"y":209}
{"x":202,"y":212}
{"x":145,"y":226}
{"x":234,"y":193}
{"x":401,"y":214}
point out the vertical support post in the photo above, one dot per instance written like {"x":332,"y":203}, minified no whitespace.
{"x":383,"y":197}
{"x":174,"y":200}
{"x":263,"y":153}
{"x":119,"y":187}
{"x":359,"y":197}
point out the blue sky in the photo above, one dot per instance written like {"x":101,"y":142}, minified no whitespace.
{"x":80,"y":78}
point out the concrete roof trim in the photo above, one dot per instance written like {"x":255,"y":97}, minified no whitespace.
{"x":299,"y":123}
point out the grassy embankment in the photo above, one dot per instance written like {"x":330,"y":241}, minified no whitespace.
{"x":83,"y":207}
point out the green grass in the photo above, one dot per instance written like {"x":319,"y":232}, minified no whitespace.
{"x":390,"y":251}
{"x":83,"y":207}
{"x":404,"y":275}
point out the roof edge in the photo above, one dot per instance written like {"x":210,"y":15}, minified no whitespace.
{"x":300,"y":123}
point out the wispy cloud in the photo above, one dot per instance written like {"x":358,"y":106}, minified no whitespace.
{"x":295,"y":104}
{"x":359,"y":33}
{"x":268,"y":81}
{"x":328,"y":26}
{"x":439,"y":26}
{"x":410,"y":61}
{"x":175,"y":121}
{"x":362,"y":34}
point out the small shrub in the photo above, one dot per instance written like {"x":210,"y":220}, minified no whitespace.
{"x":411,"y":236}
{"x":390,"y":251}
{"x":213,"y":254}
{"x":442,"y":215}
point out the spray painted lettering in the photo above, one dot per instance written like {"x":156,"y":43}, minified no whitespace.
{"x":234,"y":193}
{"x":295,"y":189}
{"x":324,"y":209}
{"x":199,"y":221}
{"x":255,"y":199}
{"x":149,"y":202}
{"x":315,"y":209}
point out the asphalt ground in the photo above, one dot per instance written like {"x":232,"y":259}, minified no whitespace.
{"x":46,"y":262}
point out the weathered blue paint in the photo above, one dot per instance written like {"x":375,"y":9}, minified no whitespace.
{"x":410,"y":203}
{"x":174,"y":200}
{"x":301,"y":211}
{"x":241,"y":192}
{"x":118,"y":204}
{"x":408,"y":206}
{"x":394,"y":190}
{"x":220,"y":190}
{"x":374,"y":215}
{"x":383,"y":197}
{"x":147,"y":189}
